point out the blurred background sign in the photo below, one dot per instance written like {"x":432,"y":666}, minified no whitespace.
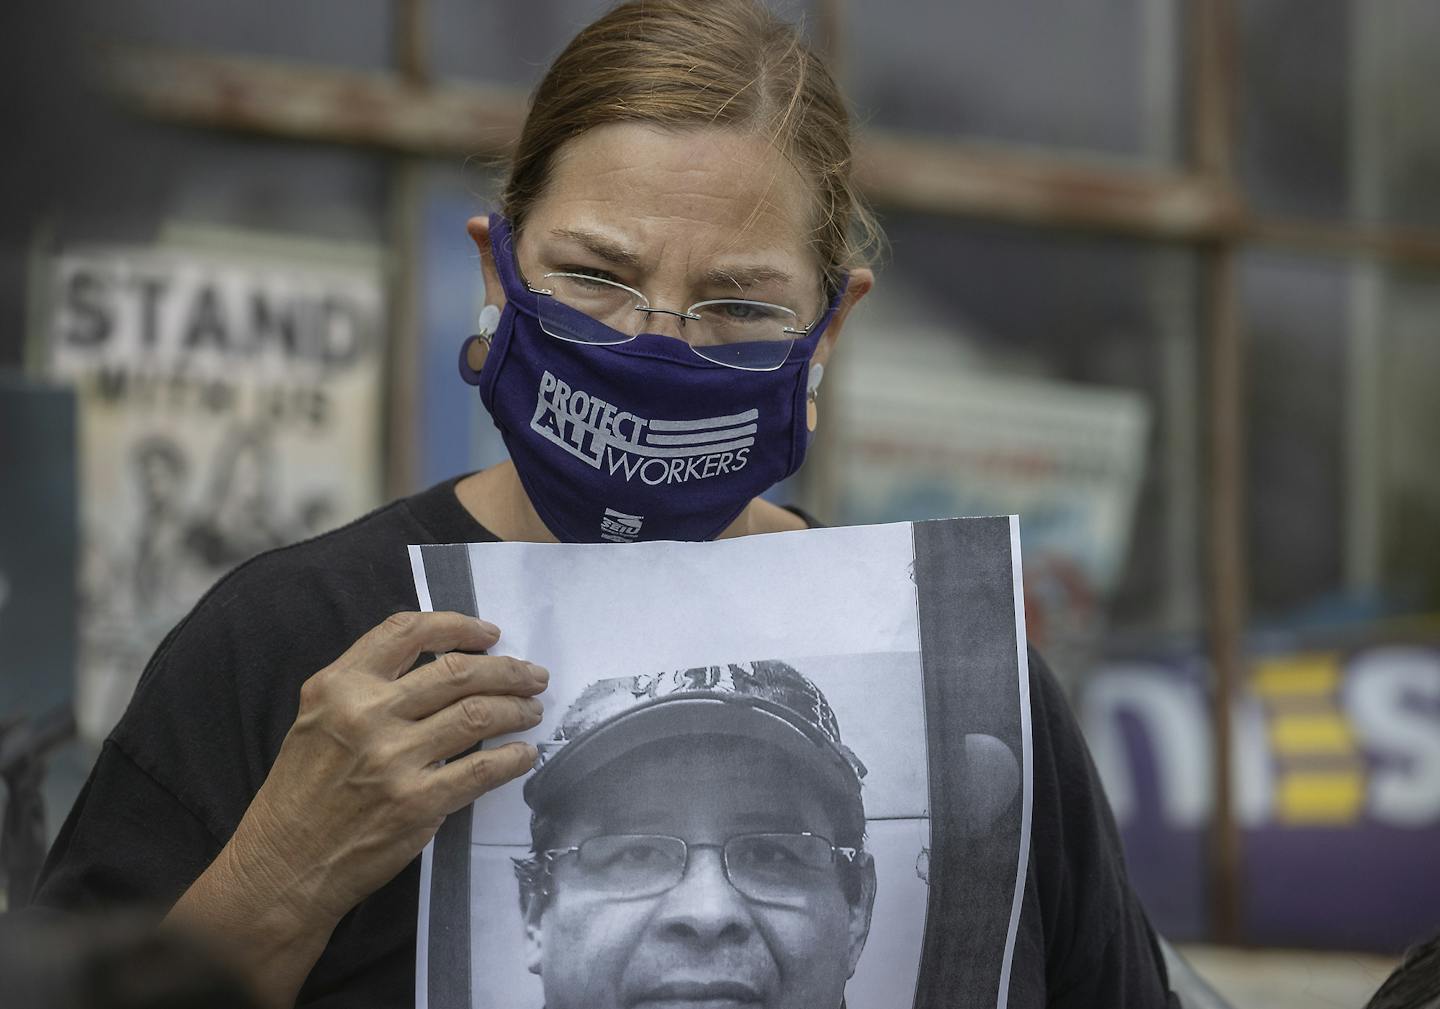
{"x":229,"y":393}
{"x":1337,"y":778}
{"x":935,"y":439}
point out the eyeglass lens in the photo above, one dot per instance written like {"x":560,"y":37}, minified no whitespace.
{"x":763,"y":867}
{"x":750,"y":335}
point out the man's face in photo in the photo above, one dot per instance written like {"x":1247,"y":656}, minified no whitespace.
{"x":701,"y":943}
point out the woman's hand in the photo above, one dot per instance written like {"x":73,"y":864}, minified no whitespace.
{"x":358,"y":789}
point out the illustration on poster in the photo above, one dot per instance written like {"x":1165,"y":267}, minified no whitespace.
{"x":235,"y":516}
{"x":192,"y":523}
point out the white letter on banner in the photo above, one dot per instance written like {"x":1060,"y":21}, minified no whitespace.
{"x":1383,"y":690}
{"x":1173,"y":718}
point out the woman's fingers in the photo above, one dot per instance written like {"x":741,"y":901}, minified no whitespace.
{"x":391,"y":647}
{"x":468,"y":721}
{"x":459,"y":782}
{"x":454,"y":675}
{"x":355,"y":790}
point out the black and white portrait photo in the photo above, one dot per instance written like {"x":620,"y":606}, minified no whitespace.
{"x":698,"y":835}
{"x":750,"y":828}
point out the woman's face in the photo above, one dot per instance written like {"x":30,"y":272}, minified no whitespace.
{"x":682,"y":217}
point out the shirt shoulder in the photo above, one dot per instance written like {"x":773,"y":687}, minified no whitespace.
{"x":1082,"y":914}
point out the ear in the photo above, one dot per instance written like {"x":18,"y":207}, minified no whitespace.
{"x":861,"y":280}
{"x":860,"y":912}
{"x":534,"y":912}
{"x":479,"y":229}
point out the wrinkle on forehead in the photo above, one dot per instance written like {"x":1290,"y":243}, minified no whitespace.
{"x":617,"y":253}
{"x":711,"y":191}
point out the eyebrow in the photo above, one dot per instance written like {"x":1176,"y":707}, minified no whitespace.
{"x":598,"y":245}
{"x":747,"y":276}
{"x":612,"y":251}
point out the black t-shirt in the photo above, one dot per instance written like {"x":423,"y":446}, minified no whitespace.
{"x":209,"y":714}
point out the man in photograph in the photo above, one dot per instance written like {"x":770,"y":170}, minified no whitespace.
{"x":697,"y":839}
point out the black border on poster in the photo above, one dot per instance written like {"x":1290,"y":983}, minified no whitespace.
{"x":447,"y":931}
{"x":977,"y":681}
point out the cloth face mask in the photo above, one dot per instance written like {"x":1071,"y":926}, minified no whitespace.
{"x":638,"y":440}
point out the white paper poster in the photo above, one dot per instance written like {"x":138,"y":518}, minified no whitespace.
{"x":747,"y":750}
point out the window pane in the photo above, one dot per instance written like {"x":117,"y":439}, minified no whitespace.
{"x":504,"y":43}
{"x":1093,"y":77}
{"x":1294,"y":106}
{"x":349,"y":33}
{"x":514,"y":43}
{"x":156,"y":175}
{"x":1344,"y":509}
{"x":1332,"y":120}
{"x":1408,"y":431}
{"x":1398,"y":146}
{"x":1295,"y":315}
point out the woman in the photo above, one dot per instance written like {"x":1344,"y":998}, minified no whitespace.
{"x":684,"y":176}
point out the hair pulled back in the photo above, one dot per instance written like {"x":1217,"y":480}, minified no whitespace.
{"x":683,"y":64}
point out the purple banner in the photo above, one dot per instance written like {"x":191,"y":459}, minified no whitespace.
{"x":1337,"y":791}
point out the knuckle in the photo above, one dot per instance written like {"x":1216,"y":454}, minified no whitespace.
{"x":477,"y":714}
{"x":425,"y":801}
{"x":482,"y":773}
{"x":402,"y":624}
{"x":402,"y":798}
{"x":455,"y":667}
{"x":314,"y":691}
{"x":348,"y":717}
{"x":355,"y":710}
{"x":384,"y":756}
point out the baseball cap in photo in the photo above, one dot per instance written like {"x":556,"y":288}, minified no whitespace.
{"x":767,"y":701}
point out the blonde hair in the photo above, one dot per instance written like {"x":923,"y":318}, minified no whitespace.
{"x":683,"y":64}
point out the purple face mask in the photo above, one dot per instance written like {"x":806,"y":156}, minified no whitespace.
{"x":640,"y":440}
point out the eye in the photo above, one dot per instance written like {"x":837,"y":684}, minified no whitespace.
{"x":767,"y":854}
{"x":640,"y":854}
{"x":742,"y":311}
{"x":744,"y":314}
{"x":586,"y":273}
{"x":626,"y":852}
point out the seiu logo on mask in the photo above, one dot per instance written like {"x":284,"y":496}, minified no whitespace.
{"x":631,"y":447}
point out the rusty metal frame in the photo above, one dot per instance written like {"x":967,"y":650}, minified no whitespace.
{"x":1200,"y":205}
{"x":404,"y":193}
{"x":376,"y":110}
{"x":1212,"y":47}
{"x":398,"y":113}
